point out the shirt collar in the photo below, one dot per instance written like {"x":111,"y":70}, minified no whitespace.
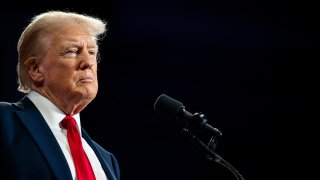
{"x":50,"y":112}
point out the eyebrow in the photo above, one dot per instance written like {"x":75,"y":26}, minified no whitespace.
{"x":71,"y":43}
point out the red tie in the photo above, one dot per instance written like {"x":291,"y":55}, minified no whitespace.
{"x":83,"y":168}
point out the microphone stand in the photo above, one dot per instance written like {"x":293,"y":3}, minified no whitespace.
{"x":209,"y":148}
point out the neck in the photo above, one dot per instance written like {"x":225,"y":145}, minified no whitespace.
{"x":68,"y":104}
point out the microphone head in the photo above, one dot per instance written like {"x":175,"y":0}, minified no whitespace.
{"x":168,"y":106}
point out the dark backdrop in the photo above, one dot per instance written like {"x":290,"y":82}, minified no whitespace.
{"x":244,"y":64}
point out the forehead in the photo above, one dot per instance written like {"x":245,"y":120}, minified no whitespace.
{"x":73,"y":34}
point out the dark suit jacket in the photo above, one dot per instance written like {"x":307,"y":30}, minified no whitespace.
{"x":29,"y":150}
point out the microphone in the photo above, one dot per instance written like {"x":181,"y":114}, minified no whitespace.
{"x":173,"y":109}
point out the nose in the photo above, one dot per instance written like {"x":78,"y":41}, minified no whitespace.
{"x":86,"y":60}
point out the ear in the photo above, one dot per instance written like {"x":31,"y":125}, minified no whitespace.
{"x":34,"y":70}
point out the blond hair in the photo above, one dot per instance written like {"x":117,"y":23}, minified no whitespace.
{"x":35,"y":39}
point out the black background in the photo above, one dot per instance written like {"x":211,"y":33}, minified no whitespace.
{"x":244,"y":64}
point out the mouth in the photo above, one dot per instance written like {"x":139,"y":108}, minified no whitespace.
{"x":86,"y":80}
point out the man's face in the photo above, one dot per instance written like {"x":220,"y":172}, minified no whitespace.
{"x":69,"y":66}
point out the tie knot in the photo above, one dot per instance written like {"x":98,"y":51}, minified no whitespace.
{"x":68,"y":122}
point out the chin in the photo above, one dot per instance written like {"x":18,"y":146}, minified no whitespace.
{"x":87,"y":93}
{"x":91,"y":93}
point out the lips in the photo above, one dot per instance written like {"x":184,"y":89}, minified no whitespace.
{"x":86,"y":79}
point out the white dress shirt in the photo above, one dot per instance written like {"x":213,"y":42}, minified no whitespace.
{"x":53,"y":116}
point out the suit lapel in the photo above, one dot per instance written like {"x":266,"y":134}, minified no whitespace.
{"x":103,"y":162}
{"x":43,"y":137}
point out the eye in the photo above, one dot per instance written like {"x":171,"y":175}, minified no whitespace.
{"x":71,"y":53}
{"x":92,"y":52}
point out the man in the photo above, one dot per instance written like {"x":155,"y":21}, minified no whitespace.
{"x":57,"y":70}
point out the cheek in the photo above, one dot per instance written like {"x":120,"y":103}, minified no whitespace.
{"x":95,"y":72}
{"x":60,"y":75}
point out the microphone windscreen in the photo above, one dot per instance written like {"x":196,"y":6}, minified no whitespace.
{"x":168,"y":106}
